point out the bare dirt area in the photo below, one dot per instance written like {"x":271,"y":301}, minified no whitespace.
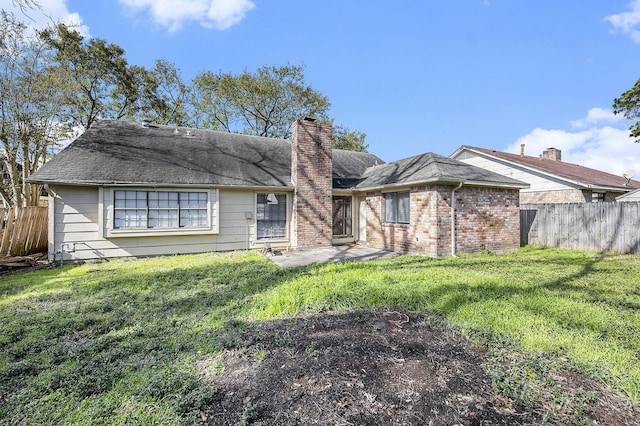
{"x":358,"y":369}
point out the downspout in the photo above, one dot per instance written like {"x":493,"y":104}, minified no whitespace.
{"x":453,"y":218}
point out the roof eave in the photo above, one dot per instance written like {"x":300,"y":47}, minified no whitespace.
{"x":583,"y":185}
{"x":445,"y":181}
{"x":161,"y":185}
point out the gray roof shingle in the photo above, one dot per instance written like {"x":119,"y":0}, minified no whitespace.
{"x":433,"y":168}
{"x":115,"y":152}
{"x":121,"y":153}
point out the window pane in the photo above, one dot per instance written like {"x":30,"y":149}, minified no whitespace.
{"x":390,"y":207}
{"x":165,"y":209}
{"x":404,"y":202}
{"x":153,"y":199}
{"x":153,"y":218}
{"x":173,"y":199}
{"x":119,"y":198}
{"x":118,"y":221}
{"x":271,"y":215}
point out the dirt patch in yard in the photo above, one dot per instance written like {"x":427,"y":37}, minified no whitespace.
{"x":358,"y":369}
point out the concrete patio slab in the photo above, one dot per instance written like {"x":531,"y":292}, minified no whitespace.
{"x":290,"y":259}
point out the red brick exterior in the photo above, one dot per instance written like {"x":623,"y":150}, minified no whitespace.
{"x":311,"y":174}
{"x":564,"y":196}
{"x":486,"y":219}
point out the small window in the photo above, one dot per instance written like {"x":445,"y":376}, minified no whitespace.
{"x":160,"y":209}
{"x":397,"y":207}
{"x":597,"y":197}
{"x":271,"y":216}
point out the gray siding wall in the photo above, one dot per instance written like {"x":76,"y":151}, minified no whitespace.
{"x":75,"y":219}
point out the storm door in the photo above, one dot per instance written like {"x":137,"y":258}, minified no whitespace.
{"x":342,"y":216}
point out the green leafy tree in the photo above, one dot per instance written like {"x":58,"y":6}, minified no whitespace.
{"x":264,"y":103}
{"x":163,"y":96}
{"x":101,"y":84}
{"x":628,"y":104}
{"x":351,"y":140}
{"x":29,"y":105}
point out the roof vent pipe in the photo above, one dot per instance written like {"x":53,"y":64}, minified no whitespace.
{"x":146,"y":122}
{"x":521,"y":150}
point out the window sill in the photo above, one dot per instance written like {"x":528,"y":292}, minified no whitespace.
{"x":118,"y":233}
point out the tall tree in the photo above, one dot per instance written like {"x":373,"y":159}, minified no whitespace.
{"x":101,"y":84}
{"x":29,"y":104}
{"x":628,"y":104}
{"x":264,"y":103}
{"x":26,"y":4}
{"x":163,"y":95}
{"x":351,"y":140}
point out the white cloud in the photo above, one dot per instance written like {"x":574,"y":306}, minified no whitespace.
{"x":172,"y":14}
{"x":50,"y":11}
{"x":602,"y":147}
{"x":597,"y":116}
{"x":627,"y":22}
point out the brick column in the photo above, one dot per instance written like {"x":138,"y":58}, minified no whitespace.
{"x":311,"y":174}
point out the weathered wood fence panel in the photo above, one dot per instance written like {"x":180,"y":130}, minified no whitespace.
{"x":25,"y":232}
{"x":606,"y":227}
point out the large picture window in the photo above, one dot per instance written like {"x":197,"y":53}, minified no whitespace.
{"x":397,"y":207}
{"x":159,"y":209}
{"x":271,"y":216}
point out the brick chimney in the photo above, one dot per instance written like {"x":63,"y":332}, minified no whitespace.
{"x":311,"y":174}
{"x":552,"y":154}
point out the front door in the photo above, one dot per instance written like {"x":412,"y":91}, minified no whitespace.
{"x":342,"y":216}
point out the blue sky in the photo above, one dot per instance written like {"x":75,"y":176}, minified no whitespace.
{"x":415,"y":75}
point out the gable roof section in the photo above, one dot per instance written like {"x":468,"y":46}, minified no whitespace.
{"x":115,"y":152}
{"x":433,"y":168}
{"x":569,"y":172}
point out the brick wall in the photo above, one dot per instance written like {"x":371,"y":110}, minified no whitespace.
{"x":560,"y":196}
{"x":486,"y":219}
{"x":311,"y":171}
{"x":564,"y":196}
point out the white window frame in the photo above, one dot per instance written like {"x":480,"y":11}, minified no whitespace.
{"x":107,"y":202}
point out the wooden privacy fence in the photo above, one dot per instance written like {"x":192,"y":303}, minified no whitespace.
{"x":605,"y":227}
{"x":23,"y":233}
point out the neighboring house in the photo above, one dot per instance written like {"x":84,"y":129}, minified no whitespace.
{"x":126,"y":189}
{"x":551,"y":180}
{"x":630,"y":196}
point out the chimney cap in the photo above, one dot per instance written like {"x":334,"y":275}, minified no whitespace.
{"x":309,"y":118}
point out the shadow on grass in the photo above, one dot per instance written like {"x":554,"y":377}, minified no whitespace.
{"x":117,"y":332}
{"x":120,"y":332}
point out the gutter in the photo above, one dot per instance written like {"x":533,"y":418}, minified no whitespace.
{"x":162,"y":185}
{"x":439,"y":180}
{"x":453,"y":218}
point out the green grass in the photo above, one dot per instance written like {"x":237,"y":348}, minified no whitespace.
{"x":131,"y":342}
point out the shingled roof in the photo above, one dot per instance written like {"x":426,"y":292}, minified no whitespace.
{"x":122,"y":153}
{"x":116,"y":152}
{"x":433,"y":168}
{"x":574,"y":173}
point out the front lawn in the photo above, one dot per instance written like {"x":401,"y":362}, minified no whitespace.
{"x":124,"y":342}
